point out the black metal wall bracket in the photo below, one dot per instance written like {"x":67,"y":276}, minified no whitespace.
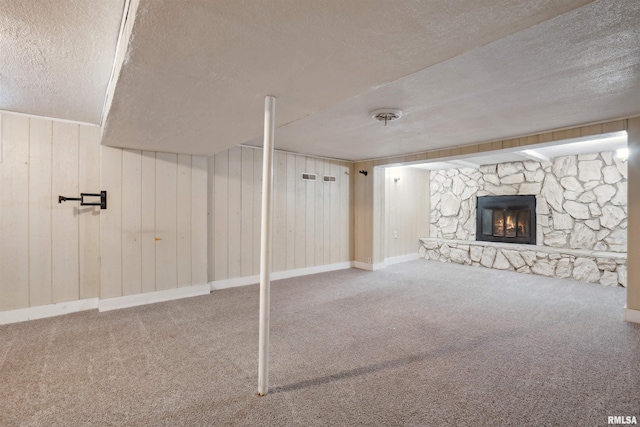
{"x":102,"y":203}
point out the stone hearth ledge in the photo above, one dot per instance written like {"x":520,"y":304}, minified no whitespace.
{"x":606,"y":268}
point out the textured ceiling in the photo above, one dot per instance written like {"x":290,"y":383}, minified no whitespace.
{"x":196,"y":73}
{"x":580,"y":67}
{"x":56,"y":56}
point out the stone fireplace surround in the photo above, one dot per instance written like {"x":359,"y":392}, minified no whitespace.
{"x":581,"y":217}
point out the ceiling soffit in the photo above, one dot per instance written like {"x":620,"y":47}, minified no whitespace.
{"x":196,"y":73}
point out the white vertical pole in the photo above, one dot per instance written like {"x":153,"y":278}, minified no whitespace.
{"x":265,"y":244}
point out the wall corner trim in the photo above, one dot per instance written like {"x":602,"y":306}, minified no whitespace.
{"x":152,"y":297}
{"x":630,"y":315}
{"x":49,"y":310}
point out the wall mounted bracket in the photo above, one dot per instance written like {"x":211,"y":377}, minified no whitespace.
{"x":102,"y":203}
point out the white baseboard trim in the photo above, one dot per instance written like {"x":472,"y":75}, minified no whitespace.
{"x":278,"y":275}
{"x":362,"y":265}
{"x":387,"y":262}
{"x":631,"y":315}
{"x":152,"y":297}
{"x":49,"y":310}
{"x":401,"y":258}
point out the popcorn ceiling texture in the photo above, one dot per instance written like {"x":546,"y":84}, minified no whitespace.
{"x":581,"y":215}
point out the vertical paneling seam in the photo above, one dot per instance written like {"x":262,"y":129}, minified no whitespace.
{"x":141,"y":228}
{"x":121,"y":230}
{"x":79,"y":213}
{"x":228,"y":211}
{"x":177,"y":227}
{"x":51,"y":209}
{"x":191,"y":220}
{"x":155,"y":221}
{"x":28,"y":212}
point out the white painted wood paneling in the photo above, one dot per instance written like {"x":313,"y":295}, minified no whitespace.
{"x":257,"y":208}
{"x":337,"y":213}
{"x":311,"y":218}
{"x":166,"y":221}
{"x":198,"y":220}
{"x":300,"y":213}
{"x":290,"y":189}
{"x":40,"y":203}
{"x":234,"y":220}
{"x":14,"y":213}
{"x":89,"y":236}
{"x":406,"y":194}
{"x":309,"y":214}
{"x":111,"y":223}
{"x":131,"y":222}
{"x":65,"y":232}
{"x":211,"y":259}
{"x":51,"y":252}
{"x":161,"y":243}
{"x":183,"y":208}
{"x":318,"y":212}
{"x":246,"y":232}
{"x":220,"y":215}
{"x":148,"y":221}
{"x":279,"y":216}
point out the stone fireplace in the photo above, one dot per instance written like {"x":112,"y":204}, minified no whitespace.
{"x":579,"y":229}
{"x":508,"y":219}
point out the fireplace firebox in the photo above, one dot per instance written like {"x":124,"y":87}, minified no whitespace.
{"x":510,"y":219}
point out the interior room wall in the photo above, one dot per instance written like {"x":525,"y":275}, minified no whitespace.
{"x":152,"y":234}
{"x":311,"y":219}
{"x":407,"y":207}
{"x":633,"y":238}
{"x":49,"y":252}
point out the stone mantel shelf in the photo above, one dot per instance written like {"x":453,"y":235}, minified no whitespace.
{"x":536,"y":248}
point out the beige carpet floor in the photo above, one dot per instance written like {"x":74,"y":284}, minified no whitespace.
{"x":420,"y":343}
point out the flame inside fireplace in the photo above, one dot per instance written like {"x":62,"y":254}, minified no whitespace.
{"x":510,"y":223}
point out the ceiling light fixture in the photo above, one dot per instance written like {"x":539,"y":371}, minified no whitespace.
{"x":386,"y":115}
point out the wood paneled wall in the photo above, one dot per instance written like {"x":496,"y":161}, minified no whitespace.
{"x":153,"y":232}
{"x":406,"y":207}
{"x":49,"y":252}
{"x":311,"y":219}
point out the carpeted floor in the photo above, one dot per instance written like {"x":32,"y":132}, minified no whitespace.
{"x":419,"y":343}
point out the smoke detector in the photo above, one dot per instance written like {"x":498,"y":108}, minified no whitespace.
{"x":386,"y":115}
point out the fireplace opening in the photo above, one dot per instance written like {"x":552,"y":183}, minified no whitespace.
{"x":508,"y":219}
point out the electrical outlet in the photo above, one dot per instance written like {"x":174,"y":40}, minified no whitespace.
{"x":369,"y":260}
{"x":395,"y":234}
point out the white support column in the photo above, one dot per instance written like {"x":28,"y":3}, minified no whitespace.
{"x":265,"y":244}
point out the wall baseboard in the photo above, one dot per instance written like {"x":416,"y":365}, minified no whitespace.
{"x":49,"y":310}
{"x":387,"y":262}
{"x":152,"y":297}
{"x":278,"y":275}
{"x":401,"y":258}
{"x":362,"y":265}
{"x":631,"y":315}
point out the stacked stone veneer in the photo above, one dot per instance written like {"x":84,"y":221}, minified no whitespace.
{"x":581,"y":204}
